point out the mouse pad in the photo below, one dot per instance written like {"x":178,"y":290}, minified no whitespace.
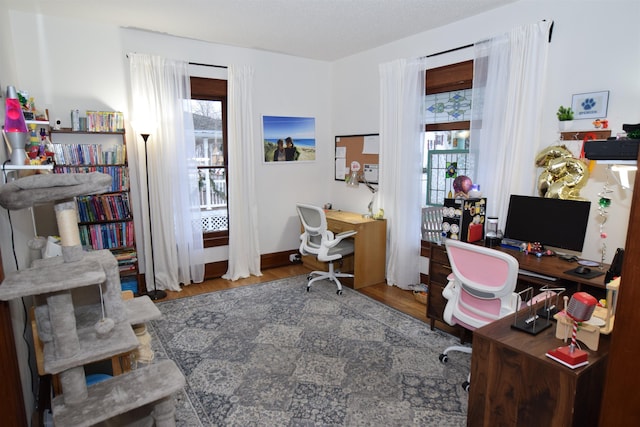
{"x":593,"y":273}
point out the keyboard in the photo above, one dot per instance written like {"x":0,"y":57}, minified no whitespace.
{"x":539,"y":276}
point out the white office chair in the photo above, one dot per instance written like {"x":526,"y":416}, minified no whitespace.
{"x":480,"y":289}
{"x":319,"y":241}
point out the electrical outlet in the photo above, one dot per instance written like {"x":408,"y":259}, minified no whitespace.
{"x":294,"y":257}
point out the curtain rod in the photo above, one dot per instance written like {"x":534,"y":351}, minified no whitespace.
{"x":201,"y":64}
{"x":449,"y":50}
{"x":472,"y":44}
{"x":208,"y":65}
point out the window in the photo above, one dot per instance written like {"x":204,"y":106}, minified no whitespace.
{"x":447,"y":124}
{"x":208,"y":105}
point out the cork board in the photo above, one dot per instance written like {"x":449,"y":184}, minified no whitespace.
{"x":363,"y":149}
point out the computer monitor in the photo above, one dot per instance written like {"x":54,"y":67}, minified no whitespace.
{"x":554,"y":223}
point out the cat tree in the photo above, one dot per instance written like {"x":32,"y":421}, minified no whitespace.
{"x":77,"y":331}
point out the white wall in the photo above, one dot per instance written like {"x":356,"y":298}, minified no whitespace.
{"x":75,"y":64}
{"x":593,"y":49}
{"x":69,"y":64}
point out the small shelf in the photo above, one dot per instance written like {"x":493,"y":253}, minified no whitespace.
{"x":105,"y":221}
{"x":11,"y":167}
{"x":37,"y":122}
{"x":579,"y":135}
{"x":85,"y":132}
{"x":88,"y":165}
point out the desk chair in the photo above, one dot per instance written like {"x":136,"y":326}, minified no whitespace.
{"x":319,"y":241}
{"x":480,"y":289}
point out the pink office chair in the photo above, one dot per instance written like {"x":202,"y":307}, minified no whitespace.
{"x":324,"y":244}
{"x":480,"y":289}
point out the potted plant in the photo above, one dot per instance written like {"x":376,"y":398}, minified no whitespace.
{"x":565,"y":116}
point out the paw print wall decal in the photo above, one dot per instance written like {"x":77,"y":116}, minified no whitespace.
{"x":588,"y":104}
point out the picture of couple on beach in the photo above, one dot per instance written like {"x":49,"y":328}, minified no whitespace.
{"x":298,"y":145}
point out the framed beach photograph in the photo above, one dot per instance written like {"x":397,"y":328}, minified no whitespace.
{"x":590,"y":106}
{"x":289,"y":139}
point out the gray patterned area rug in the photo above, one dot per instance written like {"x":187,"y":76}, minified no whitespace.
{"x":273,"y":354}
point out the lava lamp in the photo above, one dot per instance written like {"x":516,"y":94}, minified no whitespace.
{"x":15,"y":128}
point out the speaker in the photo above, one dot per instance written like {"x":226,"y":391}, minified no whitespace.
{"x":615,"y":269}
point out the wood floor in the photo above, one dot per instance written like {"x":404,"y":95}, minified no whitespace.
{"x":392,"y":296}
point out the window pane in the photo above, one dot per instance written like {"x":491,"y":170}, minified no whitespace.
{"x":213,"y":199}
{"x":207,"y":123}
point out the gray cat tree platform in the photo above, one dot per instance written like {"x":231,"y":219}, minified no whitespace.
{"x":77,"y":331}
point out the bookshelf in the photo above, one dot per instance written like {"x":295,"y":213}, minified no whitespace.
{"x":105,"y":221}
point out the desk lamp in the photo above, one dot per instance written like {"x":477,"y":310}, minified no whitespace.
{"x":353,"y":180}
{"x":580,"y":308}
{"x":15,"y":127}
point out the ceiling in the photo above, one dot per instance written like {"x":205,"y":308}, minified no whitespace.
{"x":318,"y":29}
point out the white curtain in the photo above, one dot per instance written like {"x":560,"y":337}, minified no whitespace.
{"x":244,"y":250}
{"x":402,"y":88}
{"x":160,"y":90}
{"x":508,"y":91}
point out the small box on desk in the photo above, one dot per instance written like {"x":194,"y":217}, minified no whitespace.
{"x":463,"y":219}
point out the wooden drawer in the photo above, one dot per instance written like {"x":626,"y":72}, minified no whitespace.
{"x":436,"y":302}
{"x":340,"y":227}
{"x":438,"y":273}
{"x":439,"y":255}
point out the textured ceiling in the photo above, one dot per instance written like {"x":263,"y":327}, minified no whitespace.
{"x":319,"y":29}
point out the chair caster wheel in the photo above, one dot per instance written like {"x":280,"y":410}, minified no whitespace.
{"x":443,"y":358}
{"x":339,"y":292}
{"x":309,"y":277}
{"x":465,"y":386}
{"x":308,"y":288}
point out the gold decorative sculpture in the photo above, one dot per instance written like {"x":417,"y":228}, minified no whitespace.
{"x":563,"y":175}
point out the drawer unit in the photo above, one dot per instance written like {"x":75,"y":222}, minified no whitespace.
{"x":439,"y":270}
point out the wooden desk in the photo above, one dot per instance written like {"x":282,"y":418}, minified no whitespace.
{"x":370,"y":248}
{"x":551,"y":266}
{"x":513,"y":383}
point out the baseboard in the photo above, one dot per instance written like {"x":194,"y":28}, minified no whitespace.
{"x":214,"y":270}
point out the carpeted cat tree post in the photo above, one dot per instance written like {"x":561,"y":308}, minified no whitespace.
{"x":76,"y":336}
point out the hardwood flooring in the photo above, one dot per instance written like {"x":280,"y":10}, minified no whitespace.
{"x":392,"y":296}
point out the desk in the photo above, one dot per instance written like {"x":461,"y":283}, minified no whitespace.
{"x":370,"y":248}
{"x":513,"y":383}
{"x":551,"y":266}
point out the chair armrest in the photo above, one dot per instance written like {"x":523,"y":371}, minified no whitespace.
{"x":345,"y":234}
{"x":338,"y":238}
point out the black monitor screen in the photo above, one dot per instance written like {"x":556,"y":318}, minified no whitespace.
{"x":552,"y":222}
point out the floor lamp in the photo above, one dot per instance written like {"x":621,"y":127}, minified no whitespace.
{"x":155,"y":294}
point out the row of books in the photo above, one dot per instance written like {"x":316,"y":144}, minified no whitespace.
{"x":119,"y":174}
{"x":105,"y":121}
{"x":89,"y":154}
{"x":107,"y":236}
{"x":106,"y":207}
{"x":127,"y":261}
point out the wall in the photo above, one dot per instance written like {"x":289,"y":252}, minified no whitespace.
{"x":66,"y":64}
{"x":593,"y":49}
{"x":69,"y":64}
{"x":67,"y":69}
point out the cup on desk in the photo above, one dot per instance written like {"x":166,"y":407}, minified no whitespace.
{"x":492,"y":235}
{"x":327,"y":206}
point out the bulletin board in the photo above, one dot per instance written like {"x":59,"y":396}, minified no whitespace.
{"x":363,"y":149}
